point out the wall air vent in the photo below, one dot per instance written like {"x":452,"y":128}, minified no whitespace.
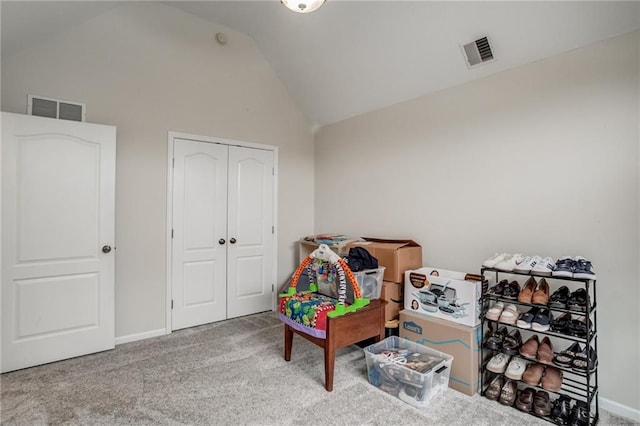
{"x":477,"y":52}
{"x":55,"y":108}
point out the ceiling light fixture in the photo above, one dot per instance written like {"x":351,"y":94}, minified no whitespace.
{"x":303,"y":6}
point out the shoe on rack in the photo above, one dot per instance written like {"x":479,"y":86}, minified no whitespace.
{"x":584,"y":270}
{"x":583,"y":363}
{"x":541,"y":403}
{"x":541,"y":295}
{"x":533,"y":374}
{"x":552,"y":379}
{"x":527,"y":264}
{"x":527,"y":290}
{"x":544,"y":267}
{"x":515,"y":369}
{"x":512,"y":342}
{"x":579,"y":416}
{"x":529,"y":349}
{"x":542,"y":321}
{"x":493,"y":260}
{"x":564,"y":267}
{"x":494,"y":311}
{"x":498,"y":364}
{"x":578,"y":300}
{"x":511,"y":291}
{"x":545,"y":352}
{"x":566,"y":357}
{"x":560,"y":410}
{"x":526,"y":318}
{"x":509,"y":262}
{"x":495,"y":387}
{"x":498,"y":289}
{"x":494,"y":341}
{"x":509,"y":393}
{"x":509,"y":314}
{"x":559,"y":298}
{"x":578,"y":327}
{"x":525,"y":400}
{"x":562,"y":323}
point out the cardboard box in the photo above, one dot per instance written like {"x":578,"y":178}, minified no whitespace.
{"x":392,"y":293}
{"x":396,"y":256}
{"x":443,"y":296}
{"x":462,"y":343}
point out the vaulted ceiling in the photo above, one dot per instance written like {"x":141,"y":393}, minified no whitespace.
{"x":351,"y":57}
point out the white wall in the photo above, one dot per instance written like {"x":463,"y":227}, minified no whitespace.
{"x":541,"y":159}
{"x":149,"y":69}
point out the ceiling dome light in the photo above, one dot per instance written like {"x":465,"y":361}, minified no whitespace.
{"x":303,"y":6}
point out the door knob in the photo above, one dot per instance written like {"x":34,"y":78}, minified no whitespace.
{"x":232,"y":240}
{"x":221,"y":241}
{"x":106,"y":249}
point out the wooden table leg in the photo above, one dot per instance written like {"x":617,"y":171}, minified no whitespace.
{"x":329,"y":362}
{"x":288,"y":340}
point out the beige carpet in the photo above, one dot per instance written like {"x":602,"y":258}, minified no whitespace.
{"x":227,"y":373}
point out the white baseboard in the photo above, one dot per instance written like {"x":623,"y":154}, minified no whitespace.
{"x":620,"y":410}
{"x":140,"y":336}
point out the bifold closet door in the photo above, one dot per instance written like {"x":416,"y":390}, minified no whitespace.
{"x":199,"y":249}
{"x":223,"y":236}
{"x":58,"y":209}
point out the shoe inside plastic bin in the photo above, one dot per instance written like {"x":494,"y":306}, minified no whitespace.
{"x":412,"y":372}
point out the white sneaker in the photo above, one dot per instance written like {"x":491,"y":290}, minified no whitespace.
{"x":491,"y":262}
{"x":498,"y":363}
{"x":509,"y":262}
{"x":544,"y":267}
{"x":516,"y":369}
{"x":527,"y":264}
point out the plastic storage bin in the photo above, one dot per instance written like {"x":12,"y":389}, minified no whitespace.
{"x":412,"y":372}
{"x":369,"y":281}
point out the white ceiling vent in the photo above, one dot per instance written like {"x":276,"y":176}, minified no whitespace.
{"x":478,"y":52}
{"x":55,"y":108}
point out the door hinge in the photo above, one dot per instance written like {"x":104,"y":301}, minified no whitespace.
{"x":173,"y":163}
{"x":172,"y":234}
{"x":273,"y":229}
{"x":171,"y":303}
{"x":273,"y":288}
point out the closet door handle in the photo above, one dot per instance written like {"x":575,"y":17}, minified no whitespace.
{"x":232,"y":240}
{"x":221,"y":241}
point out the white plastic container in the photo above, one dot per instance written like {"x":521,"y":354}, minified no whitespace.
{"x":412,"y":372}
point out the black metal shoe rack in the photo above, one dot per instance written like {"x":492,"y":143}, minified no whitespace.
{"x":576,"y":385}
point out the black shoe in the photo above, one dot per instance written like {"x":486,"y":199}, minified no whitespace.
{"x":581,"y":363}
{"x":512,"y":342}
{"x":511,"y":291}
{"x":579,"y":415}
{"x":578,"y":300}
{"x":494,"y":341}
{"x":560,"y":410}
{"x":498,"y":289}
{"x":559,"y":298}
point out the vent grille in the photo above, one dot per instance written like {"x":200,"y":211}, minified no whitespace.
{"x":55,"y":108}
{"x":478,"y":52}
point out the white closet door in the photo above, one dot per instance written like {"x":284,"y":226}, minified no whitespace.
{"x":199,"y":289}
{"x":58,"y":198}
{"x":250,"y":230}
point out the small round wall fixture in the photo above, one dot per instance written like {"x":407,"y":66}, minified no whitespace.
{"x":303,"y":6}
{"x":221,"y":39}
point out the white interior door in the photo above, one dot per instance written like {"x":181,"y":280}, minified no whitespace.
{"x":58,"y":198}
{"x":250,"y":231}
{"x":199,"y":256}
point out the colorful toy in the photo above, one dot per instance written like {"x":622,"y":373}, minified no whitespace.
{"x":307,"y":311}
